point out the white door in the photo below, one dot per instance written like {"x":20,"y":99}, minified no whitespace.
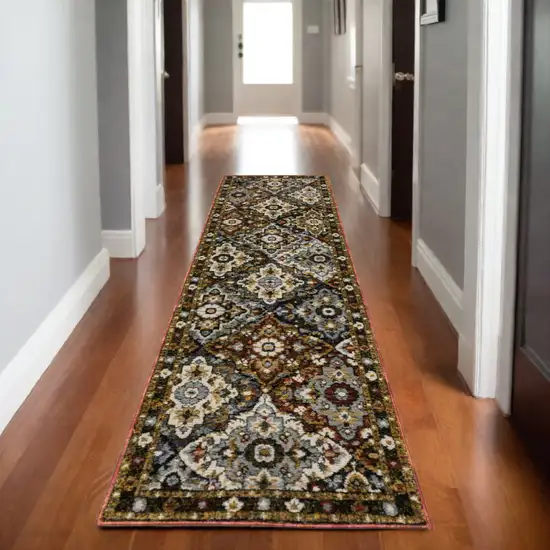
{"x":267,"y":54}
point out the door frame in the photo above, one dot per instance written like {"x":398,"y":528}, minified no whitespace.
{"x":490,"y":288}
{"x":142,"y":156}
{"x":187,"y":134}
{"x":381,"y":187}
{"x":147,"y":194}
{"x":386,"y":111}
{"x":156,"y":197}
{"x":298,"y":53}
{"x":486,"y":327}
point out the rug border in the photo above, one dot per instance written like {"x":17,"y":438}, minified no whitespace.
{"x":259,"y":524}
{"x":429,"y":524}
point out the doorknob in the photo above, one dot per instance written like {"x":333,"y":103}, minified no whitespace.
{"x":400,"y":77}
{"x":240,"y":50}
{"x":165,"y":74}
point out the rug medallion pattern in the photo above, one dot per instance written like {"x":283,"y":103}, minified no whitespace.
{"x":268,"y":405}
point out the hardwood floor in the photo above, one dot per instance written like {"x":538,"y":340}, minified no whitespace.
{"x":59,"y":452}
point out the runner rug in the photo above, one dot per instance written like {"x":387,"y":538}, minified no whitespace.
{"x":268,"y":405}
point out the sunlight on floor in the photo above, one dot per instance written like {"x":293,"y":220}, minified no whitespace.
{"x":266,"y":120}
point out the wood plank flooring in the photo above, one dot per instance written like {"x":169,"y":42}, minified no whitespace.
{"x":59,"y":452}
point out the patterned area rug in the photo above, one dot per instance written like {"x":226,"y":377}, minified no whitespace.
{"x":268,"y":405}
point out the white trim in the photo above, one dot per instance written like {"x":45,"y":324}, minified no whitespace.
{"x":385,"y":113}
{"x":512,"y":198}
{"x":371,"y":186}
{"x":119,"y":244}
{"x":343,"y":137}
{"x":215,"y":119}
{"x":429,"y":18}
{"x":195,"y":138}
{"x":25,"y":369}
{"x":187,"y":130}
{"x":155,"y":143}
{"x":473,"y":158}
{"x":140,"y":152}
{"x":486,"y":354}
{"x":161,"y":200}
{"x":155,"y":202}
{"x":314,"y":118}
{"x":417,"y":131}
{"x":446,"y":291}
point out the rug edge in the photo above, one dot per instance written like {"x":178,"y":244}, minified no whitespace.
{"x":266,"y":525}
{"x":114,"y":476}
{"x":429,"y":524}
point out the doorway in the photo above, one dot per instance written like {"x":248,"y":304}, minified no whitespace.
{"x":385,"y":95}
{"x":402,"y":110}
{"x":172,"y":77}
{"x":267,"y":53}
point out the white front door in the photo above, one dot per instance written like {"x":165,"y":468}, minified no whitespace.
{"x":267,"y":57}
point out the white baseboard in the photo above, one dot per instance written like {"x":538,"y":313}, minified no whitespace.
{"x":119,"y":244}
{"x":371,"y":187}
{"x":314,"y":118}
{"x":160,"y":200}
{"x":343,"y":137}
{"x":25,"y":369}
{"x":446,"y":291}
{"x":195,"y":137}
{"x":156,"y":202}
{"x":215,"y":119}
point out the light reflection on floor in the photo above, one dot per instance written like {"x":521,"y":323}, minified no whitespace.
{"x":267,"y":120}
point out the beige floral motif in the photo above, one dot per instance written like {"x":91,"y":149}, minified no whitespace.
{"x":226,"y":258}
{"x":295,"y":506}
{"x":273,"y":208}
{"x":260,"y":450}
{"x":199,"y":393}
{"x":271,"y":283}
{"x":233,"y":505}
{"x":308,"y":194}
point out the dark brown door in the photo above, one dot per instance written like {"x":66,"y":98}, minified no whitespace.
{"x":403,"y":108}
{"x":531,"y":385}
{"x":173,"y":84}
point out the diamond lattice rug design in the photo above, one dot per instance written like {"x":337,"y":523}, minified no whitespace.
{"x":268,"y":405}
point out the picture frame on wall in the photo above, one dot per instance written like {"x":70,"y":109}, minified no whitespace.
{"x":340,"y":16}
{"x":432,"y":11}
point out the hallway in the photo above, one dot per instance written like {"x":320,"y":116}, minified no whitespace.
{"x":58,"y":453}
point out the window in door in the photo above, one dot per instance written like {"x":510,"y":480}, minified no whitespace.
{"x":268,"y":43}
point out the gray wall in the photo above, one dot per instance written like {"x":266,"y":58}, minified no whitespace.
{"x":342,"y":97}
{"x":114,"y":118}
{"x":50,"y":226}
{"x":313,"y":60}
{"x":196,"y":62}
{"x":444,"y":138}
{"x":219,"y":57}
{"x":372,"y":82}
